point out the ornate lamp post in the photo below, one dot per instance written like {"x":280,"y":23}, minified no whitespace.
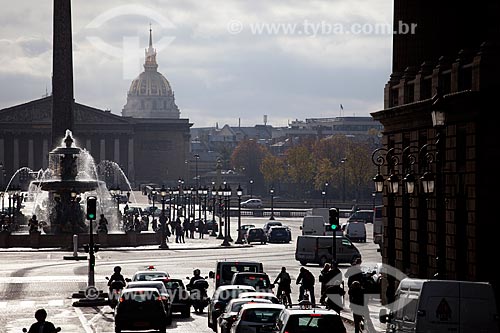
{"x":228,"y":210}
{"x":343,"y":181}
{"x":197,"y":178}
{"x":227,"y":198}
{"x":2,"y":194}
{"x":205,"y":195}
{"x":163,"y":195}
{"x":214,"y":199}
{"x":271,"y":192}
{"x":251,"y":188}
{"x":170,"y":194}
{"x":239,"y":193}
{"x":220,"y":194}
{"x":175,"y":211}
{"x":200,"y":194}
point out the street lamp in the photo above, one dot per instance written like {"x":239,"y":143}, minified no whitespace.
{"x":239,"y":193}
{"x":2,"y":174}
{"x":343,"y":182}
{"x":227,"y":204}
{"x":271,"y":192}
{"x":251,"y":188}
{"x":214,"y":199}
{"x":163,"y":195}
{"x":196,"y":158}
{"x":220,"y":193}
{"x":205,"y":195}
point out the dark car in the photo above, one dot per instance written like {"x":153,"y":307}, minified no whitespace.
{"x":260,"y":281}
{"x":270,"y":224}
{"x":256,"y":235}
{"x":220,"y":298}
{"x":164,"y":294}
{"x":279,"y":234}
{"x":228,"y":317}
{"x":211,"y":225}
{"x":179,"y":296}
{"x":140,"y":309}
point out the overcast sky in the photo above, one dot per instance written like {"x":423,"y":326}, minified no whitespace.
{"x":225,"y":60}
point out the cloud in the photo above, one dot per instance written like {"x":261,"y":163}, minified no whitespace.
{"x":217,"y":75}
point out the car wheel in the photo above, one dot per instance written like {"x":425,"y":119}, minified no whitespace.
{"x":186,"y":313}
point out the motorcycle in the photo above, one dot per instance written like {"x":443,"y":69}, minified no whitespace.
{"x":198,"y":294}
{"x":115,"y":289}
{"x":58,"y":329}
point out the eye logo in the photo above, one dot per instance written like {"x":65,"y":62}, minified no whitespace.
{"x":131,"y":51}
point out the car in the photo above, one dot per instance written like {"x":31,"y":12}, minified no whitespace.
{"x":225,"y":269}
{"x":252,"y":203}
{"x":211,"y":225}
{"x":164,"y":294}
{"x":139,"y":309}
{"x":260,"y":281}
{"x":270,"y":224}
{"x":220,"y":298}
{"x":294,"y":320}
{"x":362,"y":215}
{"x":148,"y":274}
{"x":259,"y":294}
{"x":279,"y":234}
{"x":244,"y":229}
{"x":227,"y":318}
{"x":256,"y":235}
{"x":256,"y":318}
{"x":355,"y":231}
{"x":181,"y":302}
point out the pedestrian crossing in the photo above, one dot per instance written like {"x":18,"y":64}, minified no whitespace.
{"x":28,"y":304}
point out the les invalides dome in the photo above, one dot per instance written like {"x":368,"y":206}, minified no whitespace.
{"x":150,"y":94}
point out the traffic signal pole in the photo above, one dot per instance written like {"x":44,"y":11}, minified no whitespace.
{"x":333,"y":220}
{"x":91,"y":216}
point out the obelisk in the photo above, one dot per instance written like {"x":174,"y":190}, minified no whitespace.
{"x":62,"y":72}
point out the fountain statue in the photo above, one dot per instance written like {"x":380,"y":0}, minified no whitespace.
{"x":65,"y":183}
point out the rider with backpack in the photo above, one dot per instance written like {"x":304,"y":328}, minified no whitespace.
{"x":284,"y":284}
{"x":306,"y":279}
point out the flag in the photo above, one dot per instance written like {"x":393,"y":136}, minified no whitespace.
{"x":341,"y":107}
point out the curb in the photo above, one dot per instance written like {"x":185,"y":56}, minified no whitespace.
{"x":128,"y":249}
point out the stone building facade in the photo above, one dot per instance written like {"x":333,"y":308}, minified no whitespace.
{"x":448,"y":233}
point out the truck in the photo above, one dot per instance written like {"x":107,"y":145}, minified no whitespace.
{"x":426,"y":305}
{"x":318,"y":250}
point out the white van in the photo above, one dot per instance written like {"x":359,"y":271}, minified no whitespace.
{"x":313,"y":225}
{"x":356,"y":231}
{"x":318,"y":250}
{"x":442,"y":306}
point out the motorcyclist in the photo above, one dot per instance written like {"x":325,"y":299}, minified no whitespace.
{"x":196,"y":277}
{"x":41,"y":325}
{"x":198,"y":288}
{"x":116,"y":279}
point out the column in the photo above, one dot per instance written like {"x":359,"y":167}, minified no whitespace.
{"x":102,"y":150}
{"x":31,"y":160}
{"x":15,"y":158}
{"x":130,"y":162}
{"x":45,"y":154}
{"x":116,"y":154}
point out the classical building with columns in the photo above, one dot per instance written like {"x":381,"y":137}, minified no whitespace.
{"x":150,"y":142}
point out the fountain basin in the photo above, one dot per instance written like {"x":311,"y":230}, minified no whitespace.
{"x":78,"y":186}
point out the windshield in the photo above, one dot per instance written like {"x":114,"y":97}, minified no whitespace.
{"x":313,"y":323}
{"x":261,"y":315}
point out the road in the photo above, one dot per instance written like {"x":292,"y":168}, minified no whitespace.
{"x":34,"y":279}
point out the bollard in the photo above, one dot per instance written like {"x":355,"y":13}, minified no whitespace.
{"x":75,"y":245}
{"x":75,"y":255}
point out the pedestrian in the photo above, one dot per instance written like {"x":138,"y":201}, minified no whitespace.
{"x":284,"y":286}
{"x":334,"y":296}
{"x":201,"y":228}
{"x":33,"y":224}
{"x":306,"y":280}
{"x":328,"y":276}
{"x":354,"y":273}
{"x":324,"y":279}
{"x":359,"y":308}
{"x":192,"y":229}
{"x":155,"y":224}
{"x":103,"y":224}
{"x":185,"y":227}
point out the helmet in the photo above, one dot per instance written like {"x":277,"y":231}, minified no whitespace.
{"x":196,"y":272}
{"x":117,"y":269}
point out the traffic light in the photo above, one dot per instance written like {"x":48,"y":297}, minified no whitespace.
{"x":333,"y":220}
{"x":91,"y":208}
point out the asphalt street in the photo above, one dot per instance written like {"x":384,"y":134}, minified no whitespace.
{"x":31,"y":279}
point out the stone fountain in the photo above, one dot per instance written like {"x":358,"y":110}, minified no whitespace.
{"x":65,"y":185}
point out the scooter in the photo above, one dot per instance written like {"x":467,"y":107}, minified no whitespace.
{"x":115,"y":290}
{"x":198,"y":295}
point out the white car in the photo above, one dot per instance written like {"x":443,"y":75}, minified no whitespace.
{"x":312,"y":320}
{"x":259,"y":294}
{"x":149,"y":274}
{"x":256,"y":318}
{"x":252,"y":203}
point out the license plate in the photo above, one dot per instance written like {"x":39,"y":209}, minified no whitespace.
{"x":141,"y":324}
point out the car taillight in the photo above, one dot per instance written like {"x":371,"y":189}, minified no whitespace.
{"x":217,"y":277}
{"x":121,"y":299}
{"x":314,"y":315}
